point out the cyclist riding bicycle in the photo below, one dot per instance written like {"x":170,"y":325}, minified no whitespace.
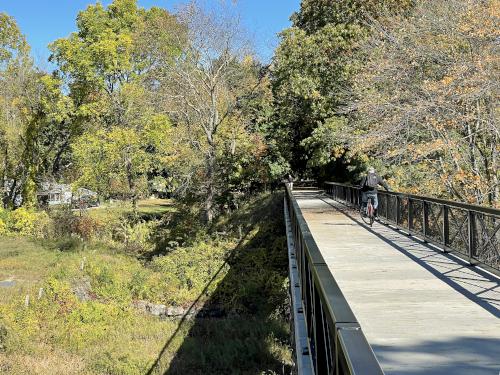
{"x":369,"y":185}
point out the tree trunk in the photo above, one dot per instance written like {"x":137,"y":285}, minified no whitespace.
{"x":3,"y":180}
{"x":210,"y":194}
{"x":131,"y":185}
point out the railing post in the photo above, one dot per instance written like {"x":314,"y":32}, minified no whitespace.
{"x":319,"y":335}
{"x":425,"y":218}
{"x":410,"y":215}
{"x":446,"y":226}
{"x":387,"y":206}
{"x":472,"y":237}
{"x":397,"y":210}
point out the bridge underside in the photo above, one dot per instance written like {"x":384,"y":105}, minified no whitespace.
{"x":422,"y":311}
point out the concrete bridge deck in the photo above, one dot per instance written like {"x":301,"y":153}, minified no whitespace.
{"x":422,"y":311}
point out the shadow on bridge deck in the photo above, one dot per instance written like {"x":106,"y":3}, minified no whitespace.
{"x":465,"y":356}
{"x":477,"y":285}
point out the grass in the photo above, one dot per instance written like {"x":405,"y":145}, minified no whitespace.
{"x":60,"y":334}
{"x":147,"y":208}
{"x":105,"y":334}
{"x":26,"y":263}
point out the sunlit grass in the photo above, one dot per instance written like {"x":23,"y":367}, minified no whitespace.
{"x":145,"y":207}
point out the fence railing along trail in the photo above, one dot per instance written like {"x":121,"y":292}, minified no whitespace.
{"x":336,"y":342}
{"x":468,"y":231}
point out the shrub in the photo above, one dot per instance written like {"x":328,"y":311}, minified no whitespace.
{"x":67,"y":224}
{"x":85,"y":226}
{"x":3,"y":228}
{"x":69,"y":243}
{"x":63,"y":222}
{"x":28,"y":222}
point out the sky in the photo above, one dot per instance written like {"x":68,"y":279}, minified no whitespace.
{"x":43,"y":21}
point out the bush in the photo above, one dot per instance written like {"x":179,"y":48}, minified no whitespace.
{"x":85,"y":226}
{"x":68,"y":224}
{"x":28,"y":222}
{"x":3,"y":228}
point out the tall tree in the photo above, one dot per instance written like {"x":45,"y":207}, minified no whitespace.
{"x":110,"y":66}
{"x":428,"y":98}
{"x":15,"y":73}
{"x":34,"y":119}
{"x":201,"y":89}
{"x":313,"y":69}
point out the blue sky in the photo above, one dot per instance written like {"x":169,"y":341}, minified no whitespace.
{"x":43,"y":21}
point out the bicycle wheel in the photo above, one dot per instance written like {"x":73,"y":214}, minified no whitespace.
{"x":364,"y":215}
{"x":370,"y":211}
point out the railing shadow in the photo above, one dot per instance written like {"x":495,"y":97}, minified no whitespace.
{"x":242,"y":328}
{"x":488,"y":298}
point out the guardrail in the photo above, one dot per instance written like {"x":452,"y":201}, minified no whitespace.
{"x":468,"y":231}
{"x":337,"y":344}
{"x":305,"y":183}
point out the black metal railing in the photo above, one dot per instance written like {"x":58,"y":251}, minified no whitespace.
{"x":470,"y":232}
{"x":337,"y":344}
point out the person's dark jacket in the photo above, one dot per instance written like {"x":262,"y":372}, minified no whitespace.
{"x":375,"y":177}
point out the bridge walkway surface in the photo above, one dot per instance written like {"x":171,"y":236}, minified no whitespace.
{"x":423,"y":311}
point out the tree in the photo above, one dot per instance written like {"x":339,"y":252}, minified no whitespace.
{"x":201,"y":89}
{"x":116,"y":162}
{"x":313,"y":71}
{"x":427,"y":99}
{"x":34,"y":119}
{"x":110,"y":66}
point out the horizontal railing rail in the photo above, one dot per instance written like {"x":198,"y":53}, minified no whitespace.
{"x":469,"y":231}
{"x":305,"y":183}
{"x":337,"y":344}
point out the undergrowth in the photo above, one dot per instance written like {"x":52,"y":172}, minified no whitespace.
{"x":74,"y":312}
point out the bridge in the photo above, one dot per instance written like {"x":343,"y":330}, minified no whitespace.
{"x":417,"y":293}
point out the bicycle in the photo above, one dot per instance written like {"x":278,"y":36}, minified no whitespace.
{"x":368,"y":213}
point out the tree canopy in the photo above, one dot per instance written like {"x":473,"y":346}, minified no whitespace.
{"x":144,"y":101}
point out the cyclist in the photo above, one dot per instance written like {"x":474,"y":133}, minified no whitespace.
{"x":369,"y":185}
{"x":289,"y":179}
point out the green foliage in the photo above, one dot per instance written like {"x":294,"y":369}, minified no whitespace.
{"x":3,"y":227}
{"x":189,"y":269}
{"x":122,"y":141}
{"x":316,"y":14}
{"x":13,"y":44}
{"x":309,"y":78}
{"x":326,"y":142}
{"x":114,"y":162}
{"x":25,"y":222}
{"x":314,"y":67}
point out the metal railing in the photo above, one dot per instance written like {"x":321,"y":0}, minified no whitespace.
{"x":468,"y":231}
{"x":337,"y":344}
